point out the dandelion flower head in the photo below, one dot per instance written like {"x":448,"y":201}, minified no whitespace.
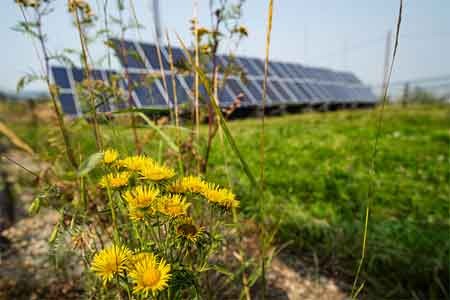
{"x":149,"y":275}
{"x":189,"y":184}
{"x":220,"y":196}
{"x":142,"y":196}
{"x":173,"y":205}
{"x":135,"y":162}
{"x":155,"y":172}
{"x":115,"y":180}
{"x":110,"y":261}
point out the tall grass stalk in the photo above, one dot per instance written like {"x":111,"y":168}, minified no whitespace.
{"x":127,"y":76}
{"x":175,"y":99}
{"x":262,"y":141}
{"x":355,"y":290}
{"x":174,"y":86}
{"x":87,"y":74}
{"x":196,"y":80}
{"x":53,"y":91}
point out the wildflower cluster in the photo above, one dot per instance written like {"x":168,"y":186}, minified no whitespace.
{"x":157,"y":237}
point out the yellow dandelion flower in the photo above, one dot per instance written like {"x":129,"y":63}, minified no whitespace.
{"x":156,"y":172}
{"x":141,"y":196}
{"x":115,"y":180}
{"x":191,"y":184}
{"x":173,"y":206}
{"x":186,"y":229}
{"x":149,"y":275}
{"x":109,"y":156}
{"x":220,"y":196}
{"x":110,"y":261}
{"x":136,"y":162}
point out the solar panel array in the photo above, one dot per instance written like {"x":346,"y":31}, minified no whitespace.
{"x":288,"y":83}
{"x":67,"y":79}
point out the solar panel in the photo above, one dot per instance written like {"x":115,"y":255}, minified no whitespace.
{"x":248,"y":67}
{"x":285,"y":97}
{"x":288,"y":83}
{"x":128,"y":54}
{"x":152,"y":57}
{"x":255,"y":90}
{"x":180,"y":90}
{"x":224,"y":95}
{"x":275,"y":71}
{"x":287,"y":71}
{"x":68,"y":104}
{"x":61,"y":77}
{"x":239,"y":89}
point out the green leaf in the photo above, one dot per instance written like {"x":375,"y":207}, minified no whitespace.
{"x":224,"y":271}
{"x":35,"y":206}
{"x":90,"y":163}
{"x":27,"y":79}
{"x":54,"y":233}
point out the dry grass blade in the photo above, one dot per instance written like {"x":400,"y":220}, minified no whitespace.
{"x":355,"y":291}
{"x":14,"y":139}
{"x":262,"y":137}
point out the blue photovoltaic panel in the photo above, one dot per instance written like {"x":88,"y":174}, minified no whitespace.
{"x":203,"y":95}
{"x":237,"y":89}
{"x":298,"y":69}
{"x":305,"y":90}
{"x":277,"y":85}
{"x":225,"y":98}
{"x":151,"y":54}
{"x":298,"y":93}
{"x":248,"y":67}
{"x":325,"y":92}
{"x":97,"y":75}
{"x":178,"y":56}
{"x":255,"y":90}
{"x":182,"y":95}
{"x":148,"y":95}
{"x":274,"y":70}
{"x":287,"y":71}
{"x":68,"y":104}
{"x":61,"y":77}
{"x":272,"y":95}
{"x":128,"y":54}
{"x":334,"y":91}
{"x":258,"y":64}
{"x":77,"y":75}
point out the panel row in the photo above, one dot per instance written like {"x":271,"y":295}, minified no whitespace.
{"x":289,"y":92}
{"x":136,"y":55}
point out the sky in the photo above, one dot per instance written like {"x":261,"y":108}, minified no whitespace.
{"x":347,"y":35}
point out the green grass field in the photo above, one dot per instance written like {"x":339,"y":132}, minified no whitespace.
{"x":319,"y":181}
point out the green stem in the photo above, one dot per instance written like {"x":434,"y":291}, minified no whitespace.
{"x":113,"y":215}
